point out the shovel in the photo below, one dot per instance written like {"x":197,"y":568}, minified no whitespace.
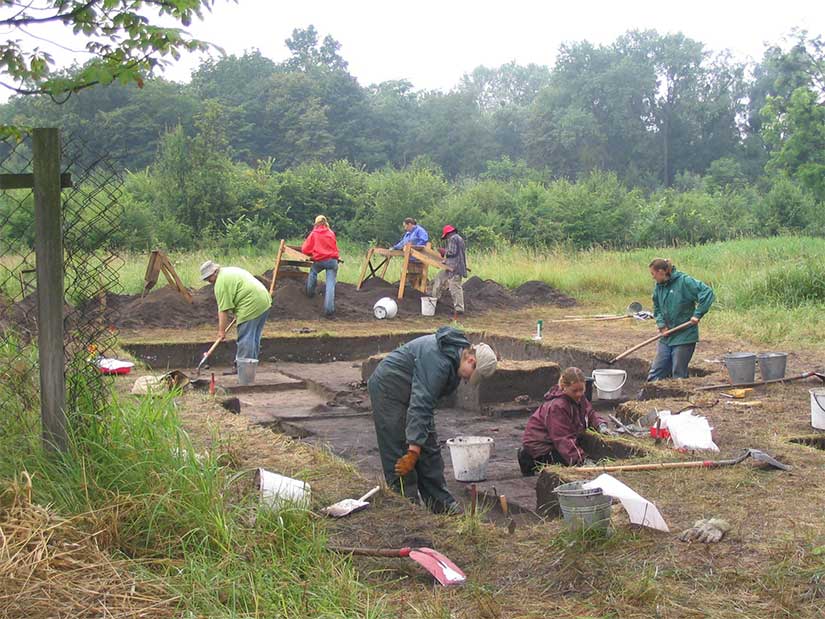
{"x":212,"y":348}
{"x":658,"y":336}
{"x":348,"y":506}
{"x":802,"y":376}
{"x":443,"y":570}
{"x":756,"y":454}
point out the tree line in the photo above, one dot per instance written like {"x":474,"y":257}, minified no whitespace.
{"x":650,"y":139}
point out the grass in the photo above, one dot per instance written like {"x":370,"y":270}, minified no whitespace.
{"x":769,"y":291}
{"x":186,"y":520}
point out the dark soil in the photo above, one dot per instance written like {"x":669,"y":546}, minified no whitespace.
{"x":165,"y":308}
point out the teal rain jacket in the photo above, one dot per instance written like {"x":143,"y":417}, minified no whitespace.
{"x":676,"y":301}
{"x":420,"y":372}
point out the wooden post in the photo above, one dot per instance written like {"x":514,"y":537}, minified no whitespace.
{"x":370,"y":251}
{"x":403,"y":281}
{"x":49,"y":250}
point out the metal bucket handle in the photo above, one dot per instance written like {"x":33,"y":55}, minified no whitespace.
{"x":818,"y":403}
{"x":596,"y":382}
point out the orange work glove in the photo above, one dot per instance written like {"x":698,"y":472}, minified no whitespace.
{"x":406,"y":463}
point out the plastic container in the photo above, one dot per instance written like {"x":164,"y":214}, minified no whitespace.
{"x":634,"y":308}
{"x":278,"y":490}
{"x":470,"y":455}
{"x":246,"y":371}
{"x":385,"y":308}
{"x":428,"y":306}
{"x":115,"y":366}
{"x":772,"y":365}
{"x":609,"y":383}
{"x":818,"y":408}
{"x":741,"y":367}
{"x":584,"y":509}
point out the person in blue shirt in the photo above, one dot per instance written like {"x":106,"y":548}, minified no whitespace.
{"x":414,"y":235}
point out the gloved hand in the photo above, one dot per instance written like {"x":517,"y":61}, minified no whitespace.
{"x":588,"y":462}
{"x":707,"y":531}
{"x":406,"y":463}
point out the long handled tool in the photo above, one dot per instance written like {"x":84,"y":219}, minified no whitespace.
{"x":819,"y":375}
{"x":212,"y":349}
{"x":756,"y":454}
{"x":658,"y":336}
{"x":443,"y":570}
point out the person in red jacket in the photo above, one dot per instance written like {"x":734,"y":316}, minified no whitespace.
{"x":322,"y":247}
{"x":552,"y":432}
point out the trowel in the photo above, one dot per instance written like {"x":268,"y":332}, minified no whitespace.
{"x":348,"y":506}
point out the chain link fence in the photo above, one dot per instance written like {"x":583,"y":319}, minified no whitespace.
{"x":91,"y":214}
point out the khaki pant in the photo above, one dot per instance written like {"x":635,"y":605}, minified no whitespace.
{"x":453,"y":283}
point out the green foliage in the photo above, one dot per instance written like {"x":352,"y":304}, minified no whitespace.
{"x":124,"y":40}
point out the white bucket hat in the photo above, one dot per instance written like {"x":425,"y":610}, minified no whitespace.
{"x":208,"y":268}
{"x":486,"y":362}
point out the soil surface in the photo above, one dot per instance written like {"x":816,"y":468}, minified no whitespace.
{"x":164,"y":307}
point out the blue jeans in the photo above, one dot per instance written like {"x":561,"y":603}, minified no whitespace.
{"x":249,"y":337}
{"x":671,"y":361}
{"x":331,"y":267}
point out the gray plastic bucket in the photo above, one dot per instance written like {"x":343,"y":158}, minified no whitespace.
{"x":772,"y":365}
{"x":584,"y":510}
{"x":246,"y":371}
{"x":741,"y":367}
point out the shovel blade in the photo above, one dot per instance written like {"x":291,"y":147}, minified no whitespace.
{"x":761,"y":456}
{"x":443,"y":570}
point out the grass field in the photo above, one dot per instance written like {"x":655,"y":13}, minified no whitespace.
{"x":769,"y":291}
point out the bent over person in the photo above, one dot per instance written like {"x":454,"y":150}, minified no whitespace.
{"x":404,"y":390}
{"x":322,"y":246}
{"x":237,"y":291}
{"x":552,"y":434}
{"x":677,"y":299}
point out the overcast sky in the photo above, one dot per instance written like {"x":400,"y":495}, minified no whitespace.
{"x":433,"y":43}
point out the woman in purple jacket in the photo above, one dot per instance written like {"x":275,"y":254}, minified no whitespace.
{"x":552,"y":432}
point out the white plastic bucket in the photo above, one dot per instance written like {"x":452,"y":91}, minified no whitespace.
{"x":278,"y":490}
{"x":428,"y":306}
{"x":470,"y":455}
{"x":385,"y":308}
{"x":609,"y":383}
{"x":246,"y":371}
{"x":818,"y":408}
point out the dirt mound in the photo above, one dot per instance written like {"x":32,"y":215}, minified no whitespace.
{"x":165,"y":308}
{"x":539,"y":293}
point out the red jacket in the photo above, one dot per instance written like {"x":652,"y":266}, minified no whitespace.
{"x":320,"y":244}
{"x":557,"y":424}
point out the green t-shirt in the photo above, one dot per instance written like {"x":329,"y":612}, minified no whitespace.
{"x":237,"y":291}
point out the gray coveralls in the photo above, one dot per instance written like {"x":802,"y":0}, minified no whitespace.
{"x":404,"y":390}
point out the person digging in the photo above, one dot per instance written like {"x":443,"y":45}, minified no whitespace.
{"x":237,"y":291}
{"x":677,"y":299}
{"x":553,"y":432}
{"x":404,"y":390}
{"x":455,"y":259}
{"x":322,"y":246}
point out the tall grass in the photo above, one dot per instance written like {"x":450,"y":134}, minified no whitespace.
{"x":138,"y":480}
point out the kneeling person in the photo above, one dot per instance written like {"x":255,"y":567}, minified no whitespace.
{"x":553,"y":431}
{"x":404,"y":390}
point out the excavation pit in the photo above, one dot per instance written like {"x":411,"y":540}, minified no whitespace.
{"x":816,"y":441}
{"x":311,"y":388}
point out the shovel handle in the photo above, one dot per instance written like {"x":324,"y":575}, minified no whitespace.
{"x":217,"y":343}
{"x":658,"y":336}
{"x":646,"y":467}
{"x":373,"y":552}
{"x":370,"y":493}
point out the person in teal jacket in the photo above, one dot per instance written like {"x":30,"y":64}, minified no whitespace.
{"x":404,"y":390}
{"x":677,"y":298}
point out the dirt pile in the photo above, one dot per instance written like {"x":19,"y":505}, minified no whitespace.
{"x":165,"y":308}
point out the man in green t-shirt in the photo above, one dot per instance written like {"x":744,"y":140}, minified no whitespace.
{"x":237,"y":291}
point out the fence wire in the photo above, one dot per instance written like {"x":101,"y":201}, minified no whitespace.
{"x":91,"y":214}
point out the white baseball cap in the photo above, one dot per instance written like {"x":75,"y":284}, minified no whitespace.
{"x":208,"y":268}
{"x":486,"y":363}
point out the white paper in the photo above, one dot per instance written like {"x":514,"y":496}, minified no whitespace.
{"x":639,"y":509}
